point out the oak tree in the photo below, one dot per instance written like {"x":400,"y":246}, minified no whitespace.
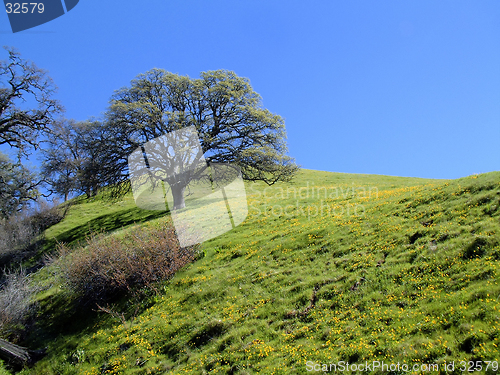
{"x":224,"y":109}
{"x":73,"y":159}
{"x":27,"y":110}
{"x":26,"y":104}
{"x":18,"y":186}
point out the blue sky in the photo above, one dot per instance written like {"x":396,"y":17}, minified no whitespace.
{"x":381,"y":87}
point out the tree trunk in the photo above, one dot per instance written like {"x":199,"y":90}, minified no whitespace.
{"x":18,"y":354}
{"x":13,"y":352}
{"x":178,"y":194}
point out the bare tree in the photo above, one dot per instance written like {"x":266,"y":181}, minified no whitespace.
{"x":21,"y":82}
{"x":73,"y":159}
{"x":22,"y":85}
{"x":18,"y":186}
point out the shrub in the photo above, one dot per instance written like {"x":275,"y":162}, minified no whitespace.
{"x":16,"y":302}
{"x":20,"y":232}
{"x":112,"y":265}
{"x":16,"y":234}
{"x":46,"y":215}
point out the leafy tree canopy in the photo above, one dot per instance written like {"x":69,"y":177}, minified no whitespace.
{"x":225,"y":110}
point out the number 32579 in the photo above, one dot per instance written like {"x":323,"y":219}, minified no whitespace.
{"x":24,"y":7}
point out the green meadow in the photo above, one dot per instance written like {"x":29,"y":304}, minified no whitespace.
{"x":327,"y":268}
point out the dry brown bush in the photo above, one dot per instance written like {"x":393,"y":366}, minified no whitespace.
{"x":110,"y":266}
{"x":46,"y":215}
{"x":19,"y":233}
{"x":16,"y":234}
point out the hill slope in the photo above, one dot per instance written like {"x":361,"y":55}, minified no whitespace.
{"x":331,"y":267}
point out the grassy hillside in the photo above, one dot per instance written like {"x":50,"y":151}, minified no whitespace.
{"x":331,"y":267}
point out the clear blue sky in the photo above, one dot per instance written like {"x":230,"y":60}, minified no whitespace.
{"x":407,"y":88}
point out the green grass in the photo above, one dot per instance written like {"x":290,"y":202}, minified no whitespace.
{"x":97,"y":215}
{"x":3,"y":371}
{"x":399,"y":270}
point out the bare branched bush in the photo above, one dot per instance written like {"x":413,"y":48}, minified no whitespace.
{"x":19,"y":233}
{"x":16,"y":234}
{"x":16,"y":302}
{"x":110,"y":266}
{"x":46,"y":215}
